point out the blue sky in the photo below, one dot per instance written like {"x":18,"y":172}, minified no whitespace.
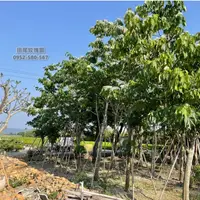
{"x":59,"y":27}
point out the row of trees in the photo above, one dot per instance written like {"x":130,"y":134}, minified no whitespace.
{"x":142,"y":73}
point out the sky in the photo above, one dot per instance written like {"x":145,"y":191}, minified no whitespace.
{"x":59,"y":27}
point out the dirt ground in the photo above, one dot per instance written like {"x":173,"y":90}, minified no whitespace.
{"x":23,"y":175}
{"x":34,"y":176}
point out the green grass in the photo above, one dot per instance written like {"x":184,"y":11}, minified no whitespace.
{"x":87,"y":144}
{"x":108,"y":146}
{"x":29,"y":141}
{"x":23,"y":140}
{"x":90,"y":144}
{"x":14,"y":182}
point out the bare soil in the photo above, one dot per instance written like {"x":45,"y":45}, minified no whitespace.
{"x":50,"y":179}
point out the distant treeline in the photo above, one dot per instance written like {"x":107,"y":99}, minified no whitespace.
{"x":30,"y":133}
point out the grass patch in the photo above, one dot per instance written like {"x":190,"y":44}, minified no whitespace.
{"x":53,"y":195}
{"x":14,"y":182}
{"x":23,"y":140}
{"x":90,"y":144}
{"x":29,"y":141}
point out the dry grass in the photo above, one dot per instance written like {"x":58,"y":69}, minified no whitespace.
{"x":145,"y":190}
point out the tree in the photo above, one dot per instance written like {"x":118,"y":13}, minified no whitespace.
{"x":13,"y":100}
{"x":158,"y":62}
{"x":168,"y":66}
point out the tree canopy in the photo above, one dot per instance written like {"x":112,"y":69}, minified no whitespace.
{"x":141,"y":71}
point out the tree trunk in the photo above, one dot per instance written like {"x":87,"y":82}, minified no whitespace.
{"x":114,"y":144}
{"x":153,"y":154}
{"x":176,"y":164}
{"x":99,"y":150}
{"x":181,"y":160}
{"x":196,"y":160}
{"x":42,"y":145}
{"x":78,"y":161}
{"x":78,"y":142}
{"x":94,"y":152}
{"x":186,"y":186}
{"x":127,"y":182}
{"x":132,"y":167}
{"x":117,"y":137}
{"x":140,"y":150}
{"x":113,"y":151}
{"x":171,"y":156}
{"x":4,"y":125}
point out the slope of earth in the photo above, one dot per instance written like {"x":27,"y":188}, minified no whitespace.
{"x":20,"y":174}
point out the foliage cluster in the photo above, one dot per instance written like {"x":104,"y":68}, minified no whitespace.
{"x":10,"y":145}
{"x":16,"y":182}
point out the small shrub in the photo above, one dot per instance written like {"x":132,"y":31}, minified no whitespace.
{"x":104,"y":185}
{"x":53,"y":195}
{"x":35,"y":155}
{"x":10,"y":145}
{"x":14,"y":182}
{"x":194,"y":196}
{"x":82,"y":176}
{"x":79,"y":149}
{"x":192,"y":182}
{"x":195,"y":179}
